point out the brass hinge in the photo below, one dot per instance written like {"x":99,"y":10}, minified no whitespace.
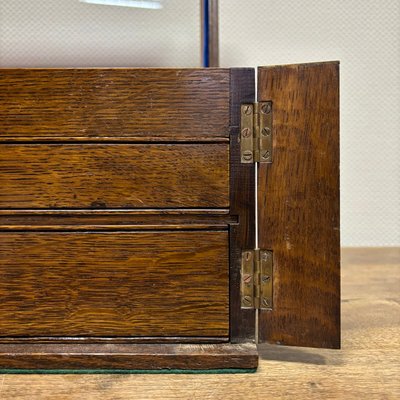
{"x":256,"y":279}
{"x":256,"y":132}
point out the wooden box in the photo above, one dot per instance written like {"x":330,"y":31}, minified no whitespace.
{"x":129,"y":205}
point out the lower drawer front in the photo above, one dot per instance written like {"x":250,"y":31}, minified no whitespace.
{"x":128,"y":284}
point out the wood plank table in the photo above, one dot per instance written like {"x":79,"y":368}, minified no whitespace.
{"x":367,"y":367}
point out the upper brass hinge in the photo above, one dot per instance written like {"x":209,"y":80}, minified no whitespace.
{"x":256,"y":279}
{"x":256,"y":132}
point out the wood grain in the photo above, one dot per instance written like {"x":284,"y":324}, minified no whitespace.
{"x":114,"y":176}
{"x":368,"y":366}
{"x":114,"y":284}
{"x":129,"y":356}
{"x":298,"y":203}
{"x":114,"y":104}
{"x":242,"y":205}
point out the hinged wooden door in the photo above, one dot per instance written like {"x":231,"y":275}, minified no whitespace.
{"x":298,"y":205}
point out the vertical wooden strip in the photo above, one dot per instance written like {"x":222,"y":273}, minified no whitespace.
{"x":242,"y":201}
{"x":298,"y":203}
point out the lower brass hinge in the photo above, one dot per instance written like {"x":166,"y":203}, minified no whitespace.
{"x":256,"y":279}
{"x":256,"y":132}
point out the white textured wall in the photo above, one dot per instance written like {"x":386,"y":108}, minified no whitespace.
{"x":68,"y":33}
{"x":363,"y":34}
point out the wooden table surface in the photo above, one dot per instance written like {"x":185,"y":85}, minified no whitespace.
{"x":367,"y":367}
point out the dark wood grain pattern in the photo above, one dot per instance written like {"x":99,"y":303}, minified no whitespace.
{"x":114,"y":176}
{"x":242,"y":195}
{"x":114,"y":104}
{"x":298,"y":200}
{"x":114,"y":284}
{"x":129,"y":356}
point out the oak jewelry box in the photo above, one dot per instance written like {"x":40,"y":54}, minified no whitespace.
{"x":128,"y":216}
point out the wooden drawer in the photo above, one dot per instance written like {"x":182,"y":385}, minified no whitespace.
{"x":115,"y":284}
{"x":114,"y":104}
{"x":114,"y":175}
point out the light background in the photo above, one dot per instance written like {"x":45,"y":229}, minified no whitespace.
{"x":363,"y":34}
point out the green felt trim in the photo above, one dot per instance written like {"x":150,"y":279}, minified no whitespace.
{"x":129,"y":371}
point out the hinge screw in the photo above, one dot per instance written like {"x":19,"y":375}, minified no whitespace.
{"x":265,"y":302}
{"x":266,"y":131}
{"x":247,"y":110}
{"x":266,"y":278}
{"x":246,"y":132}
{"x":266,"y":108}
{"x":247,"y":278}
{"x":266,"y":154}
{"x":247,"y":301}
{"x":247,"y":155}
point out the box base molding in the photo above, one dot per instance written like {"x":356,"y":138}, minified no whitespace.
{"x":127,"y":358}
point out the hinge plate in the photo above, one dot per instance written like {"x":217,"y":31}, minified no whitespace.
{"x":256,"y":132}
{"x":256,"y":279}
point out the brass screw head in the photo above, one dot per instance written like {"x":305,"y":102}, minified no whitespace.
{"x":265,"y":302}
{"x":247,"y":155}
{"x":266,"y":278}
{"x":247,"y":301}
{"x":247,"y":278}
{"x":266,"y":154}
{"x":266,"y":131}
{"x":266,"y":108}
{"x":247,"y":109}
{"x":246,"y":132}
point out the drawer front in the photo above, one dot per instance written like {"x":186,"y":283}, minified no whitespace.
{"x":65,"y":284}
{"x":116,"y":104}
{"x":114,"y":175}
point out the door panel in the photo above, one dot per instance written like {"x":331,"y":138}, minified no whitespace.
{"x":114,"y":104}
{"x":298,"y":204}
{"x":114,"y":175}
{"x":114,"y":284}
